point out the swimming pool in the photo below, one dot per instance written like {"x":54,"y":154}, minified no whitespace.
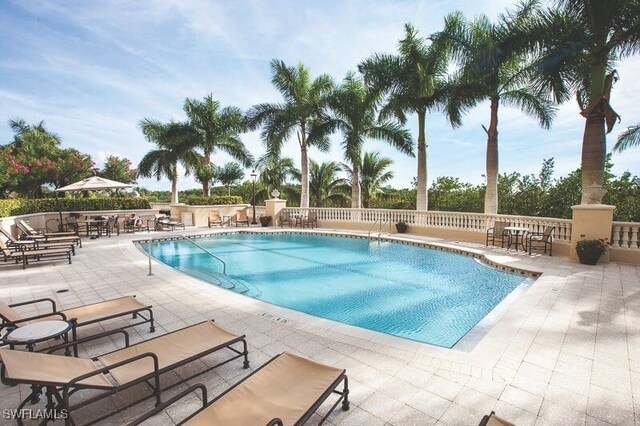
{"x":422,"y":294}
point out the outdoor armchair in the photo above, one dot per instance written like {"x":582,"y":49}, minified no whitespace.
{"x":65,"y":378}
{"x":241,"y":217}
{"x":311,"y":220}
{"x":285,"y":218}
{"x":214,"y":218}
{"x":497,"y":232}
{"x":286,"y":390}
{"x":541,"y":240}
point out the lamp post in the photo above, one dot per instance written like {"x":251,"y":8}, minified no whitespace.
{"x":253,"y":195}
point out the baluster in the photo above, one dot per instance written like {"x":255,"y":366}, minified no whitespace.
{"x":625,"y":237}
{"x":615,"y":236}
{"x":634,"y":237}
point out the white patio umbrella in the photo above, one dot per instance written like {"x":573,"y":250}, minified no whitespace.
{"x":94,"y":183}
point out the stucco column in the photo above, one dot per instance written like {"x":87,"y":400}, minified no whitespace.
{"x":591,"y":221}
{"x":273,"y":208}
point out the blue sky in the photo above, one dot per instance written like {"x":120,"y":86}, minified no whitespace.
{"x":93,"y":70}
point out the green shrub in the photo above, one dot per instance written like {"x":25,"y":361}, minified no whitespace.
{"x":16,"y":207}
{"x":201,"y":200}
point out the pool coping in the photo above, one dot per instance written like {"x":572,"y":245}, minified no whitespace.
{"x":466,"y":344}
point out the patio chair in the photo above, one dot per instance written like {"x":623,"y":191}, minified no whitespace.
{"x":26,"y":227}
{"x":13,"y":243}
{"x":498,"y":233}
{"x":83,"y":315}
{"x":23,"y":254}
{"x":65,"y":378}
{"x":541,"y":240}
{"x":311,"y":220}
{"x":214,"y":218}
{"x":241,"y":217}
{"x":493,"y":420}
{"x":285,"y":217}
{"x":286,"y":390}
{"x":52,"y":237}
{"x":74,"y":225}
{"x":112,"y":226}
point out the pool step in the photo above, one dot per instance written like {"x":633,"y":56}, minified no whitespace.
{"x":224,"y":281}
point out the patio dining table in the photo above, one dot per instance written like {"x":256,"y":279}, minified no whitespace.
{"x":96,"y":225}
{"x":515,"y":231}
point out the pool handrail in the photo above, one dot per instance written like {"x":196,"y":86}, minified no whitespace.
{"x":182,"y":237}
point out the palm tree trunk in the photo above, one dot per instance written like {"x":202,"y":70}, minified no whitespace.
{"x":491,"y":194}
{"x":422,"y":197}
{"x":594,"y":141}
{"x":304,"y":169}
{"x":174,"y":186}
{"x":206,"y":160}
{"x":356,"y":201}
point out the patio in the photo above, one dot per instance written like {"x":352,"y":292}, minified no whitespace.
{"x":566,"y":351}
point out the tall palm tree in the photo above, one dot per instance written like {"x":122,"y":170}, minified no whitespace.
{"x":375,"y":173}
{"x":275,"y":172}
{"x":628,"y":138}
{"x":325,"y":186}
{"x":163,"y":160}
{"x":494,"y":65}
{"x":415,"y":81}
{"x":354,"y":109}
{"x":212,"y":128}
{"x":304,"y":102}
{"x":579,"y":40}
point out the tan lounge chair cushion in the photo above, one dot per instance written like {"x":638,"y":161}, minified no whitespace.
{"x":32,"y":367}
{"x":170,"y":349}
{"x":104,"y":309}
{"x":497,"y":421}
{"x":286,"y":388}
{"x":8,"y":313}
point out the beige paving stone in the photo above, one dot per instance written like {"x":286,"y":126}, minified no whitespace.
{"x":521,"y":399}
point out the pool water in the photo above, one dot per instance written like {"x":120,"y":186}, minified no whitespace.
{"x":414,"y":292}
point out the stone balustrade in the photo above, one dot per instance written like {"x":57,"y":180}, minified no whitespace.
{"x":625,"y":235}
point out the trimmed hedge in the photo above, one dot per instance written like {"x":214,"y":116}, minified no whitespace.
{"x":20,"y":206}
{"x":201,"y":200}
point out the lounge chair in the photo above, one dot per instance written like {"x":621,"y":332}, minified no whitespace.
{"x":22,"y":254}
{"x":311,"y":220}
{"x":12,"y":243}
{"x":241,"y":217}
{"x":287,"y":390}
{"x":285,"y":218}
{"x":29,"y":230}
{"x":63,"y":377}
{"x":498,"y":233}
{"x":540,"y":240}
{"x":83,"y":315}
{"x":214,"y":218}
{"x":493,"y":420}
{"x":30,"y":233}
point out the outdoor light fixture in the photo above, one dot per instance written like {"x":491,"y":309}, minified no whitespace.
{"x":253,"y":196}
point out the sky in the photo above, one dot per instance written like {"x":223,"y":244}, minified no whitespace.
{"x":93,"y":70}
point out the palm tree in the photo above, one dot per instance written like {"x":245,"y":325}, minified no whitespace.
{"x":579,"y":40}
{"x":230,"y":174}
{"x":325,"y":186}
{"x":354,"y":115}
{"x":494,"y":66}
{"x":304,"y":102}
{"x":415,"y":82}
{"x":163,"y":160}
{"x":628,"y":138}
{"x":375,"y":174}
{"x":211,"y":129}
{"x":275,"y":172}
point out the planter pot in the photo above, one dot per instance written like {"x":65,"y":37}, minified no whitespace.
{"x":588,"y":257}
{"x":401,"y":227}
{"x":265,"y":221}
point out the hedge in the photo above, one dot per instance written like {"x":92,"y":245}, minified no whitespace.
{"x":201,"y":200}
{"x":20,"y":206}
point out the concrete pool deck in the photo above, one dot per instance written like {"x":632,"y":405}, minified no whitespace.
{"x":566,"y":351}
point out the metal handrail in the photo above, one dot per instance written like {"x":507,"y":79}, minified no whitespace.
{"x":372,"y":226}
{"x":182,"y":237}
{"x":382,"y":226}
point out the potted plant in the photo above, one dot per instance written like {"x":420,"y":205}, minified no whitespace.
{"x":265,"y":220}
{"x":590,"y":251}
{"x":401,"y":227}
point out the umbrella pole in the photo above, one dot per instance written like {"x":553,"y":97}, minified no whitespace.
{"x":60,"y":225}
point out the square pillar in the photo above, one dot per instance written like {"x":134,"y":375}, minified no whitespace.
{"x":591,"y":221}
{"x":273,"y":208}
